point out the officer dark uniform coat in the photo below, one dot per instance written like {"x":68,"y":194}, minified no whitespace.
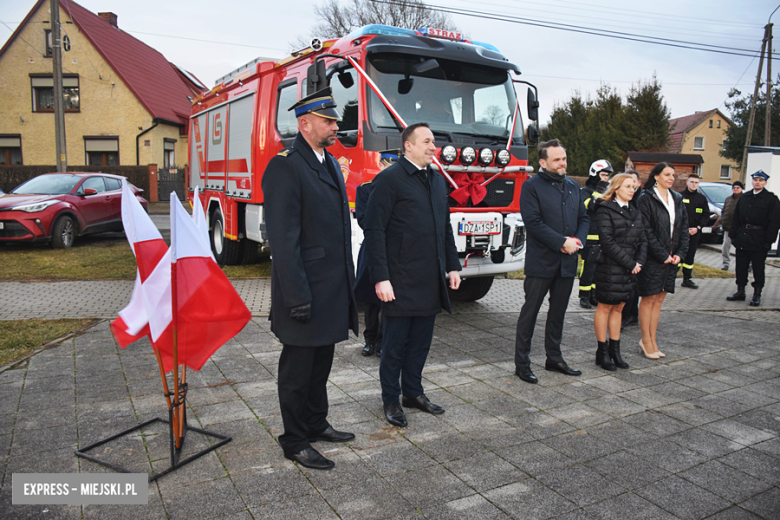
{"x":364,"y":289}
{"x":698,"y":210}
{"x":308,"y":224}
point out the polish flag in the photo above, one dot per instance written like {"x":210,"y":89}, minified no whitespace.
{"x":150,"y":250}
{"x":209,"y":311}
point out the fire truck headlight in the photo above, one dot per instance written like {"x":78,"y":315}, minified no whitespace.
{"x":448,"y":154}
{"x":467,"y":155}
{"x":485,"y":156}
{"x":503,"y":157}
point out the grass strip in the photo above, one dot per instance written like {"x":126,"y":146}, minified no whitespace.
{"x":19,"y":338}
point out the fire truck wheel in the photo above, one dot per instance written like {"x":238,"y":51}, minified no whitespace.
{"x":250,"y":252}
{"x":226,"y":251}
{"x":471,"y":289}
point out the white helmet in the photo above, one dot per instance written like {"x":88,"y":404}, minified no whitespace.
{"x":600,"y":166}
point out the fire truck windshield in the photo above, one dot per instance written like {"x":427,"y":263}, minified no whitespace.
{"x":451,"y":96}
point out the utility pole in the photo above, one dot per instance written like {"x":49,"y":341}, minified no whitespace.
{"x":768,"y":128}
{"x":59,"y":111}
{"x":742,"y":174}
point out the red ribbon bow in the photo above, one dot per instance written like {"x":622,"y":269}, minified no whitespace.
{"x":470,"y":187}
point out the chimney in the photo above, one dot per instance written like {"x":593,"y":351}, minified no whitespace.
{"x":109,"y":17}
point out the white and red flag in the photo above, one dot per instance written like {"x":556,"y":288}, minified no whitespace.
{"x":151,"y":255}
{"x":208,"y":310}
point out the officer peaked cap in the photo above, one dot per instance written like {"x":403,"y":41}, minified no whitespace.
{"x":760,"y":174}
{"x":320,"y":103}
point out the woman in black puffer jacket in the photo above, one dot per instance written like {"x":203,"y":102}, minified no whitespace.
{"x":666,"y":228}
{"x":623,"y":251}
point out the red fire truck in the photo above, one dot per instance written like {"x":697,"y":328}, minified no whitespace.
{"x":382,"y":79}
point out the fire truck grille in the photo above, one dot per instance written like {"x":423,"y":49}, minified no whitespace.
{"x":500,"y":193}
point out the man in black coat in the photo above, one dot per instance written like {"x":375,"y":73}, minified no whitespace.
{"x":598,"y":180}
{"x":556,"y":225}
{"x":410,"y":250}
{"x":364,"y":289}
{"x":753,"y":231}
{"x":698,"y":210}
{"x":312,"y":276}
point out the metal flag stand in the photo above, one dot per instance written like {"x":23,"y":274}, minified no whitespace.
{"x":177,"y":429}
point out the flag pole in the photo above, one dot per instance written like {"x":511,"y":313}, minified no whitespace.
{"x":175,"y":346}
{"x":164,"y":379}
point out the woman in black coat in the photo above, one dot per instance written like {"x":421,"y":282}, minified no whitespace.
{"x":666,"y":229}
{"x":623,"y":251}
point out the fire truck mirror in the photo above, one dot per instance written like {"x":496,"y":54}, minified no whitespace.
{"x":346,"y":79}
{"x":533,"y":106}
{"x":425,"y":66}
{"x":315,"y":77}
{"x":405,"y":85}
{"x":532,"y":135}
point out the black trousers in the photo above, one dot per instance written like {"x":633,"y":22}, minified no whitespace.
{"x":535,"y":291}
{"x":744,"y":259}
{"x":590,"y":256}
{"x":303,"y":397}
{"x":373,"y":332}
{"x":405,"y":347}
{"x":687,"y":263}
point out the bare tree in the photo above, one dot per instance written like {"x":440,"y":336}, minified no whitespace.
{"x":338,"y":20}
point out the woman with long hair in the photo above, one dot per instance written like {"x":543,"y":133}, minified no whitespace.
{"x":623,"y":252}
{"x":666,"y":229}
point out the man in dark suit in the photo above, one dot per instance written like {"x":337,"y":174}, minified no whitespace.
{"x":410,"y":251}
{"x":556,"y":224}
{"x":312,"y":275}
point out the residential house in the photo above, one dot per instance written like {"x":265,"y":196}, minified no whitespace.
{"x":703,"y":133}
{"x":125,"y":104}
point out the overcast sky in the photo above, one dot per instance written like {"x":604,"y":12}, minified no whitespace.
{"x":212,"y":38}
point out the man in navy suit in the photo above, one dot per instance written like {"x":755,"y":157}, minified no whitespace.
{"x":312,"y":275}
{"x":556,"y":223}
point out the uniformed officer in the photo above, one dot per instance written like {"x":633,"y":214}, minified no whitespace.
{"x":753,"y":231}
{"x":698,"y":210}
{"x":598,"y":180}
{"x":312,"y":275}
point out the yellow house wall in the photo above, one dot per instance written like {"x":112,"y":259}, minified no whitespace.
{"x":713,"y":144}
{"x":107,"y":106}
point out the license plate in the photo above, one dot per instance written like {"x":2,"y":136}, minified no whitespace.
{"x":479,"y":228}
{"x":706,"y":230}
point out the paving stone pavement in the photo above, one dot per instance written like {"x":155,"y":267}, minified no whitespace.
{"x":695,"y":435}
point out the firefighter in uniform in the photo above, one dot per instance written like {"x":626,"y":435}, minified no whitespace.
{"x":598,"y":180}
{"x":753,"y":231}
{"x":698,"y":216}
{"x":312,"y":276}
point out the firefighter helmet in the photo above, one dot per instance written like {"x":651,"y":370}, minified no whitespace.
{"x":600,"y":166}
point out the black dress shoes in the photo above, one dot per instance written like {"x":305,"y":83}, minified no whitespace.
{"x":369,"y":349}
{"x":526,"y":375}
{"x":422,"y":403}
{"x":394,"y":414}
{"x":311,"y":458}
{"x":689,"y":284}
{"x":331,"y":435}
{"x":561,"y":367}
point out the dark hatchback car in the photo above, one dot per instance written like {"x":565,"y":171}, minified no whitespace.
{"x":58,"y":207}
{"x":716,"y":194}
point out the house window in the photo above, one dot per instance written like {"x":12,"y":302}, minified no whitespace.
{"x":101,"y":151}
{"x":10,"y":149}
{"x":725,"y":172}
{"x":710,"y":123}
{"x":698,"y":143}
{"x":718,"y":123}
{"x":169,"y":157}
{"x":723,"y":145}
{"x":47,"y":43}
{"x":43,"y":92}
